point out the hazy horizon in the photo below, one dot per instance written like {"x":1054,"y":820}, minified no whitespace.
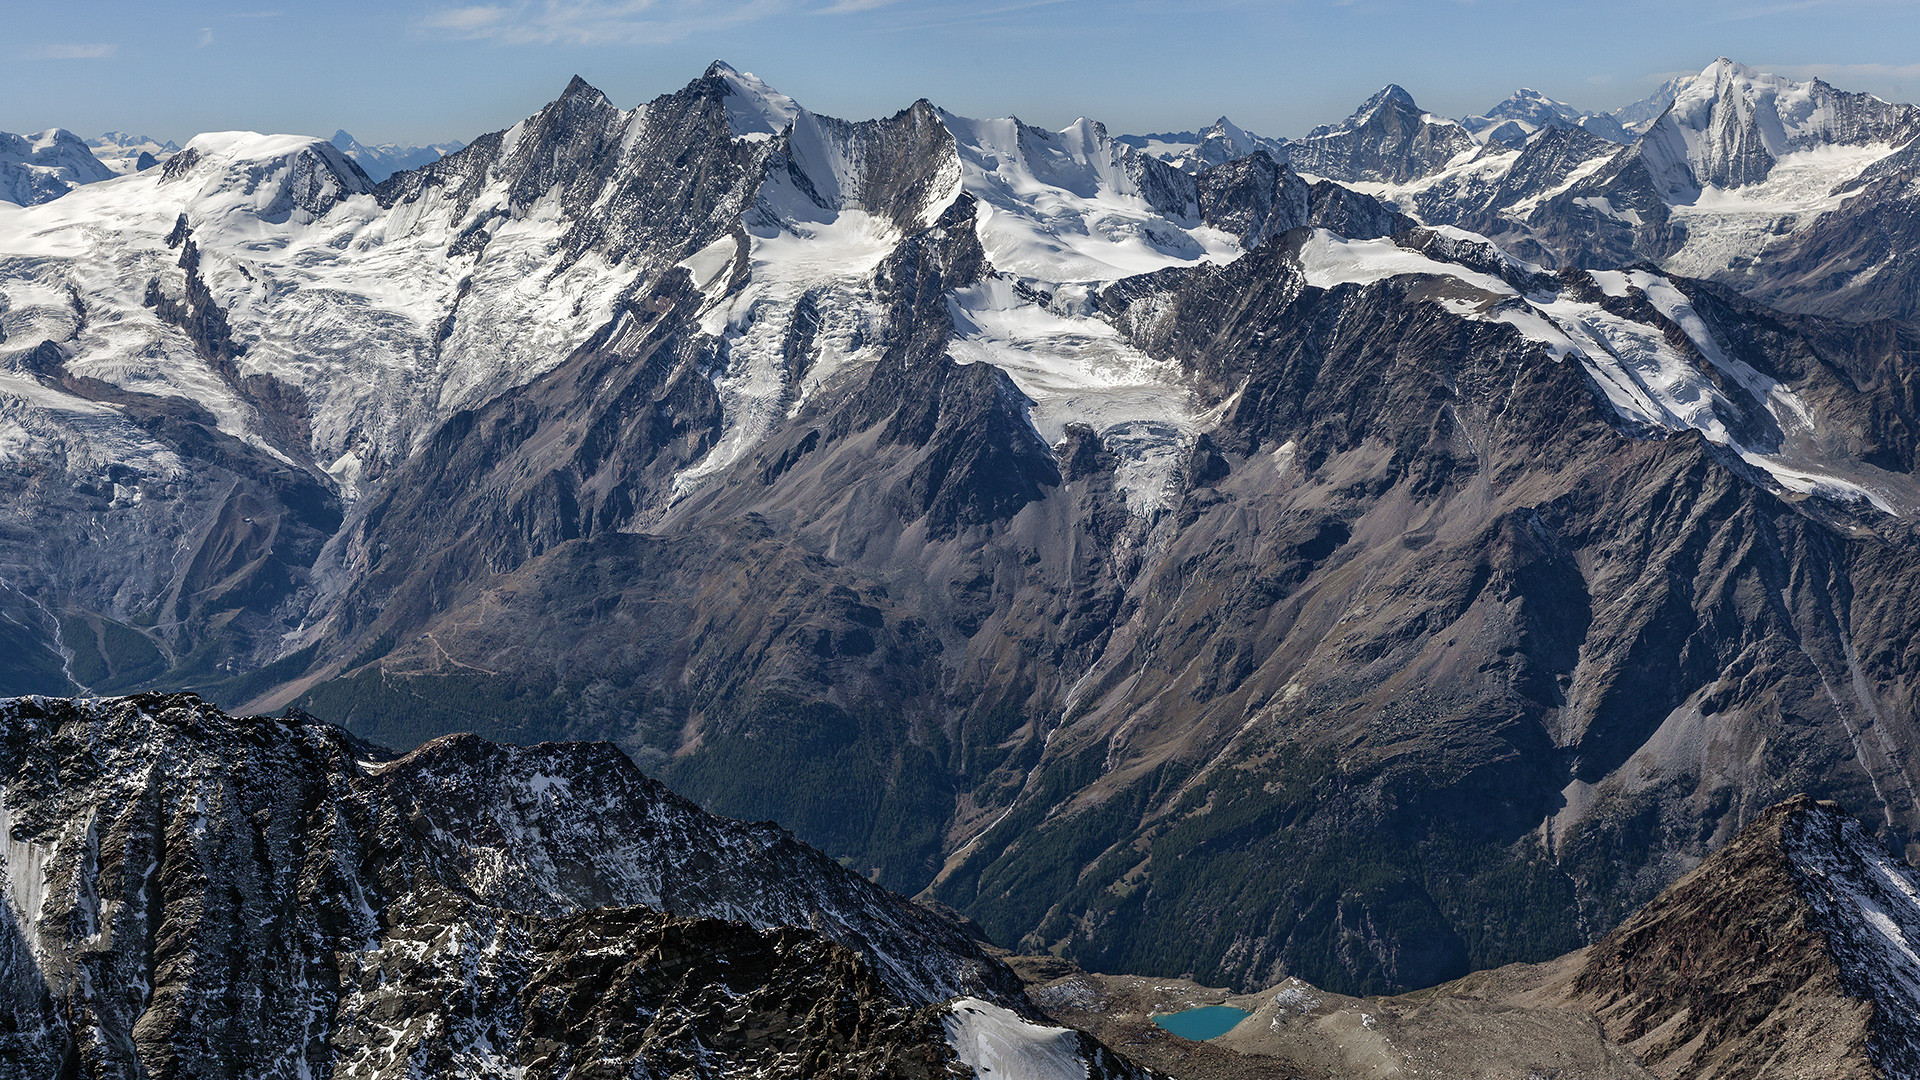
{"x":432,"y":72}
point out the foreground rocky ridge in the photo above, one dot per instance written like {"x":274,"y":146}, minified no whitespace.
{"x":189,"y":894}
{"x":1013,"y":515}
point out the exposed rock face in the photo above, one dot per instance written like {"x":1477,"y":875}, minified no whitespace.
{"x":1257,"y":200}
{"x":1478,"y":199}
{"x":189,"y":894}
{"x":1359,"y":686}
{"x":1789,"y":953}
{"x":1733,"y":971}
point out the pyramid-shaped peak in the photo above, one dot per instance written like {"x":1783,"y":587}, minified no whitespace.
{"x":1390,"y":92}
{"x":720,"y":68}
{"x":581,"y":90}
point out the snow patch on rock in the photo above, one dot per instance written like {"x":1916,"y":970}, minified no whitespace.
{"x":996,"y":1043}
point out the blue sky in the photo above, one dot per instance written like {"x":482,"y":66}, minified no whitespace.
{"x":419,"y":70}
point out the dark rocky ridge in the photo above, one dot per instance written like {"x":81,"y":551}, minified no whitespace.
{"x":190,"y":894}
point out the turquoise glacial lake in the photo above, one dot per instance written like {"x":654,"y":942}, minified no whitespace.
{"x":1203,"y":1023}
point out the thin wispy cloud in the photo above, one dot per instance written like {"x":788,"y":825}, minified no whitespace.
{"x":598,"y":22}
{"x":206,"y":36}
{"x":1741,"y":12}
{"x":849,"y":7}
{"x":72,"y":52}
{"x":1834,"y":72}
{"x":943,"y":15}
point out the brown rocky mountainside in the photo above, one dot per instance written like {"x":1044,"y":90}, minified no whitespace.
{"x":1303,"y":593}
{"x":1789,"y":954}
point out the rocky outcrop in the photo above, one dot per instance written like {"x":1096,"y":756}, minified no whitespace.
{"x":189,"y":894}
{"x":1733,"y":970}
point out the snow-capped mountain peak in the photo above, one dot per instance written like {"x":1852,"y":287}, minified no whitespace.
{"x":46,"y":165}
{"x":1527,"y":111}
{"x":754,"y":109}
{"x":1389,"y":138}
{"x":1729,"y":126}
{"x":1190,"y":152}
{"x":273,"y":178}
{"x":1389,"y":92}
{"x":1227,"y":129}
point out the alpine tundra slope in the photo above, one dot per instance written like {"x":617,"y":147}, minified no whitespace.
{"x":1202,"y":569}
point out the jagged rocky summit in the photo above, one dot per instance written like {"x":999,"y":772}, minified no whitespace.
{"x":188,"y":894}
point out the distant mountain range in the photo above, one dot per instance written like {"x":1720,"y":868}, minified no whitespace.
{"x":48,"y":164}
{"x":1561,"y":187}
{"x":43,"y":166}
{"x":1509,"y":123}
{"x":382,"y":161}
{"x":124,"y":153}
